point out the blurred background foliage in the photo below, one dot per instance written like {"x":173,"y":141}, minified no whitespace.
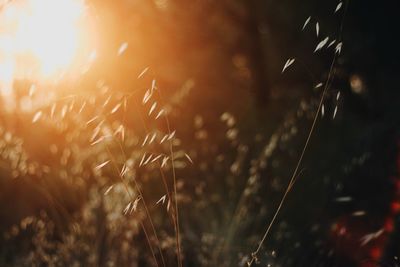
{"x":218,"y":67}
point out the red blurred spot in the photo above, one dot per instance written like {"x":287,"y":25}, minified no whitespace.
{"x":342,"y":231}
{"x":395,"y":206}
{"x":375,"y":253}
{"x":389,"y":226}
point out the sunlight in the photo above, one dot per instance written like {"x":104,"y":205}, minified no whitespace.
{"x":40,"y":39}
{"x":49,"y":31}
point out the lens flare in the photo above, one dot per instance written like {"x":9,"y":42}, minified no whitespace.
{"x":40,"y":39}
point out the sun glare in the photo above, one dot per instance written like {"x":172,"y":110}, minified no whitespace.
{"x":40,"y":39}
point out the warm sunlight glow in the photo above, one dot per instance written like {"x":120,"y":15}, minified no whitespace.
{"x":39,"y":38}
{"x":49,"y":31}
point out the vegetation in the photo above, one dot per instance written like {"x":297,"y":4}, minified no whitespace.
{"x":215,"y":133}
